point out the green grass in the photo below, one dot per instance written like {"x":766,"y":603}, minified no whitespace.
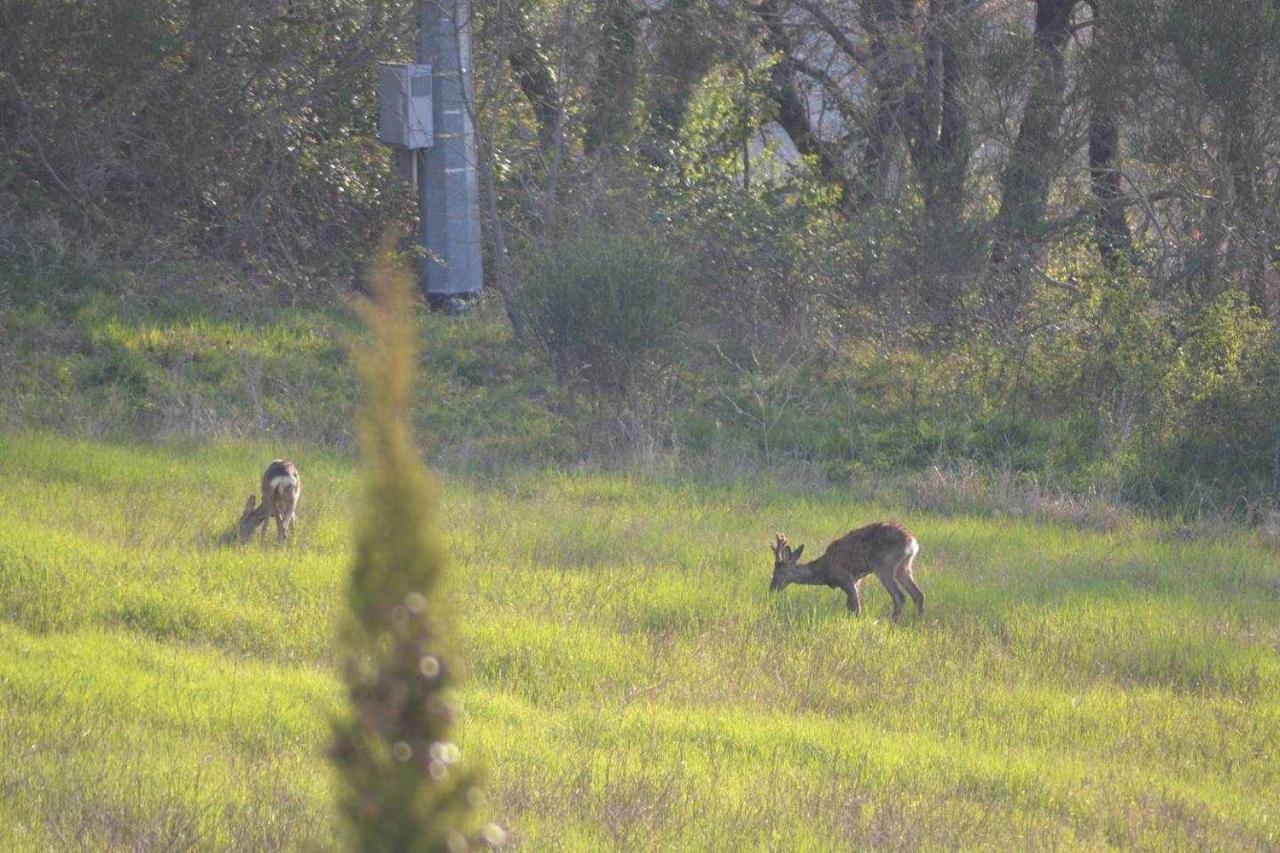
{"x":630,"y":682}
{"x":188,"y":356}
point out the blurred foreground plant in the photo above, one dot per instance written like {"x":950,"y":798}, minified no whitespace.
{"x":401,"y":787}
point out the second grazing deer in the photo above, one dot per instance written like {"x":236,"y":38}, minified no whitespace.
{"x":281,"y":487}
{"x":883,"y":549}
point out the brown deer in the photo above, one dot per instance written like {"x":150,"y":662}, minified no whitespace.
{"x":281,"y":487}
{"x":884,"y":549}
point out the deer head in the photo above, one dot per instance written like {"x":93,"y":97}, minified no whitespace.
{"x":249,"y":519}
{"x":785,"y":570}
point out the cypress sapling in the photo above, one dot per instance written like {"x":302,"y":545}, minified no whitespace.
{"x":401,"y":788}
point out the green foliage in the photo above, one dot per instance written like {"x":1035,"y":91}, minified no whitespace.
{"x":1218,"y":354}
{"x":1220,"y":416}
{"x":237,"y":127}
{"x":1119,"y":346}
{"x":607,"y":306}
{"x":722,"y":117}
{"x":400,"y":787}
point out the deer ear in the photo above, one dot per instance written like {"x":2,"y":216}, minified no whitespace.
{"x":795,"y":555}
{"x":248,"y":505}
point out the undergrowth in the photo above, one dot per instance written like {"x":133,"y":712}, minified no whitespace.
{"x":1118,"y":408}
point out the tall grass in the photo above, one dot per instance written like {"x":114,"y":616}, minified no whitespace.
{"x":631,"y":683}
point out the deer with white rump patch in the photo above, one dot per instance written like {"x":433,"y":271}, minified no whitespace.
{"x":281,"y":487}
{"x":884,"y":549}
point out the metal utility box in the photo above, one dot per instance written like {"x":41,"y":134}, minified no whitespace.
{"x":404,"y":105}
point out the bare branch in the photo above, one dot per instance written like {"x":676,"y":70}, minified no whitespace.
{"x":855,"y":52}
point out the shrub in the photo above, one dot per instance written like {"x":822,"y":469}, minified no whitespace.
{"x":607,"y":307}
{"x":1220,"y":413}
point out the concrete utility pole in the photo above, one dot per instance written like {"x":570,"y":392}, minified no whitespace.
{"x":448,"y":187}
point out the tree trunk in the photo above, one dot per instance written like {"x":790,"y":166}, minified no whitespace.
{"x":899,"y":108}
{"x":1111,"y":231}
{"x":1026,"y":178}
{"x":942,"y":147}
{"x":1245,"y":174}
{"x":686,"y":49}
{"x":611,"y":97}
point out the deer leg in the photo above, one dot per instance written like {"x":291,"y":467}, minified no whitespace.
{"x":854,"y":602}
{"x":284,"y":513}
{"x":894,"y":592}
{"x":916,"y":593}
{"x":902,"y":574}
{"x":904,"y":577}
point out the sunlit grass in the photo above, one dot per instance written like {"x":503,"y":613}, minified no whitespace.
{"x":630,"y":681}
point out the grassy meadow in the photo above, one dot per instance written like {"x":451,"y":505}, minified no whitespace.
{"x":630,"y":683}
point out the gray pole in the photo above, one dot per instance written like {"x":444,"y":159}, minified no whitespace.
{"x":448,"y":188}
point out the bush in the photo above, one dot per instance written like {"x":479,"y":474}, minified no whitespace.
{"x":1220,"y":417}
{"x":607,"y":307}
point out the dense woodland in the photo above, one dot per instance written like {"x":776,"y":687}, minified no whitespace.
{"x":1041,"y":238}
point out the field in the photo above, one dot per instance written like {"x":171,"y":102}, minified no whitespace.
{"x":630,"y":683}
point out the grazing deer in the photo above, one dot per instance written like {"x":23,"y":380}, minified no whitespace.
{"x":883,"y":549}
{"x":281,"y":487}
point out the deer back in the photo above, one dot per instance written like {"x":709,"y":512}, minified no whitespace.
{"x":872,"y":549}
{"x":280,"y":479}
